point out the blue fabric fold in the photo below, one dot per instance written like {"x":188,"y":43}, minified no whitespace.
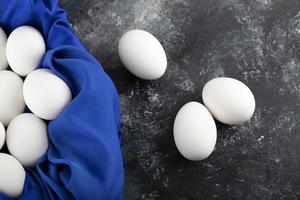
{"x":84,"y":159}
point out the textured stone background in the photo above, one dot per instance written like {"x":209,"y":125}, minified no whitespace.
{"x":255,"y":41}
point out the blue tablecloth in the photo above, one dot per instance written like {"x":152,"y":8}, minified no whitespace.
{"x":84,"y":159}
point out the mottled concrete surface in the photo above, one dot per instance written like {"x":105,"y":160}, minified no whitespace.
{"x":255,"y":41}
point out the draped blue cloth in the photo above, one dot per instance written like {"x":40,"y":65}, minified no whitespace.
{"x":84,"y":159}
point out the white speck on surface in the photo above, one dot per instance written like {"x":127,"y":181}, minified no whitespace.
{"x":260,"y":138}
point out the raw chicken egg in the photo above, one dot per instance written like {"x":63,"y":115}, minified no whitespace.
{"x":2,"y":135}
{"x":12,"y":176}
{"x":25,"y":49}
{"x":195,"y":131}
{"x":27,"y":138}
{"x":229,"y":100}
{"x":11,"y":93}
{"x":142,"y":54}
{"x":45,"y":94}
{"x":3,"y":40}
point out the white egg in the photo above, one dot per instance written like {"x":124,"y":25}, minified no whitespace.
{"x":25,"y":49}
{"x":195,"y":131}
{"x":3,"y":40}
{"x":142,"y":54}
{"x":11,"y":96}
{"x":12,"y":176}
{"x":27,"y":138}
{"x":230,"y":101}
{"x":45,"y":94}
{"x":2,"y":135}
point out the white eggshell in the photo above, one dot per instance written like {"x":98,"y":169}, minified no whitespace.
{"x":25,"y":49}
{"x":2,"y":135}
{"x":230,"y":101}
{"x":11,"y":96}
{"x":142,"y":54}
{"x":12,"y":176}
{"x":45,"y":94}
{"x":195,"y":131}
{"x":3,"y":40}
{"x":27,"y":138}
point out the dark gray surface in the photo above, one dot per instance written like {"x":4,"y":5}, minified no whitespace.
{"x":255,"y":41}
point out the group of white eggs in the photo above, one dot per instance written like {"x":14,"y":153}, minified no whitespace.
{"x":45,"y":94}
{"x":228,"y":100}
